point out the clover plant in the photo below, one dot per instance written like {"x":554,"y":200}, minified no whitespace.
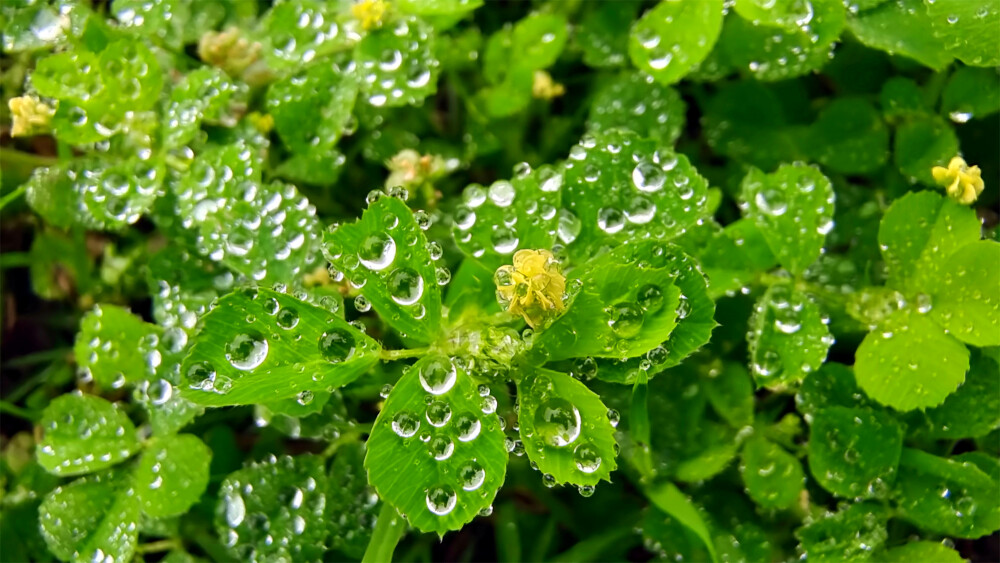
{"x":308,"y":280}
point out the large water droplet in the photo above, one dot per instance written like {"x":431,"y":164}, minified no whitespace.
{"x":468,"y":427}
{"x":557,"y":422}
{"x":247,"y":350}
{"x":404,"y":424}
{"x":337,"y":345}
{"x":587,"y":459}
{"x":438,"y":375}
{"x":438,"y":413}
{"x":626,"y":319}
{"x":377,"y":251}
{"x":441,"y":447}
{"x":405,"y":286}
{"x":771,"y":202}
{"x":472,"y":475}
{"x":648,"y":177}
{"x":610,"y":220}
{"x":650,"y":298}
{"x":441,"y":500}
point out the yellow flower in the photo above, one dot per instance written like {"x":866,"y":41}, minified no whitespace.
{"x":544,"y":88}
{"x":533,"y":287}
{"x":369,"y":12}
{"x":30,"y":116}
{"x":962,"y":182}
{"x":263,"y":122}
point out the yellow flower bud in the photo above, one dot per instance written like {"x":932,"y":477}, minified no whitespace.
{"x":962,"y":183}
{"x":533,"y":287}
{"x":370,"y":13}
{"x":30,"y":116}
{"x":544,"y":88}
{"x":263,"y":122}
{"x":228,"y":50}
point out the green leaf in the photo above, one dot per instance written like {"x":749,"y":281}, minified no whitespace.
{"x":947,"y":496}
{"x":850,"y":534}
{"x":319,"y":167}
{"x":901,"y":27}
{"x":116,"y":347}
{"x":352,"y":502}
{"x":773,"y":477}
{"x":630,"y":310}
{"x":295,"y":33}
{"x":784,"y":13}
{"x":964,"y":300}
{"x":267,"y":232}
{"x":30,"y":27}
{"x":84,"y":433}
{"x":788,"y":337}
{"x":849,"y":137}
{"x":565,"y":429}
{"x":471,"y":293}
{"x":793,"y":207}
{"x":386,"y":255}
{"x":901,"y":98}
{"x":832,"y":385}
{"x":970,"y":412}
{"x":73,"y":76}
{"x":183,"y":286}
{"x":260,"y":346}
{"x":918,"y":234}
{"x":731,"y":394}
{"x":909,"y":362}
{"x":602,"y":34}
{"x":921,"y":144}
{"x":438,"y":7}
{"x":274,"y":509}
{"x":618,"y":186}
{"x":91,"y":519}
{"x":922,"y":551}
{"x":971,"y":93}
{"x":171,"y":475}
{"x":669,"y":499}
{"x":311,"y":108}
{"x":204,"y":94}
{"x":967,"y":28}
{"x":773,"y":53}
{"x":396,"y":63}
{"x":538,"y":40}
{"x":673,"y":37}
{"x":521,"y":212}
{"x":134,"y":78}
{"x":635,"y":101}
{"x":854,"y":453}
{"x":436,"y":451}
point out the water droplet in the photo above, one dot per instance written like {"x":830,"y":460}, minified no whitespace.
{"x":468,"y":427}
{"x":648,"y":177}
{"x":626,"y":319}
{"x":650,"y":298}
{"x":404,"y":424}
{"x":610,"y":220}
{"x":441,"y":447}
{"x":586,"y":458}
{"x":557,"y":422}
{"x":438,"y":375}
{"x":337,"y":345}
{"x":771,"y":202}
{"x":441,"y":500}
{"x":287,"y":318}
{"x":472,"y":475}
{"x":247,"y":350}
{"x":438,"y":413}
{"x":405,"y":286}
{"x":377,"y":251}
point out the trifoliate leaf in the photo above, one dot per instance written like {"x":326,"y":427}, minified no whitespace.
{"x":386,"y":255}
{"x":673,"y":37}
{"x":788,"y":337}
{"x":793,"y":207}
{"x":260,"y":346}
{"x":84,"y":433}
{"x":436,"y":452}
{"x":274,"y":509}
{"x":565,"y":429}
{"x":910,"y":362}
{"x":171,"y":475}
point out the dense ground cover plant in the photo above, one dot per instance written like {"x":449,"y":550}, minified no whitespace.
{"x":445,"y":279}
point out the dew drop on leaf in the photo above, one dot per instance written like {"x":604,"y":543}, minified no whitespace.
{"x":337,"y":345}
{"x":438,"y":375}
{"x":405,"y":286}
{"x":377,"y":251}
{"x":405,"y":425}
{"x":557,"y":422}
{"x":247,"y":350}
{"x":441,"y":500}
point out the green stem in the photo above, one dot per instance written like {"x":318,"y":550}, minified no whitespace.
{"x":15,"y":260}
{"x":157,"y":546}
{"x":390,"y":355}
{"x":17,"y":411}
{"x":13,"y":195}
{"x":389,"y":529}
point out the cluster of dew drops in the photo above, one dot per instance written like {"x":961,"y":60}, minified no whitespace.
{"x":377,"y":256}
{"x":403,"y":72}
{"x":438,"y":376}
{"x":299,"y":502}
{"x":248,"y":349}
